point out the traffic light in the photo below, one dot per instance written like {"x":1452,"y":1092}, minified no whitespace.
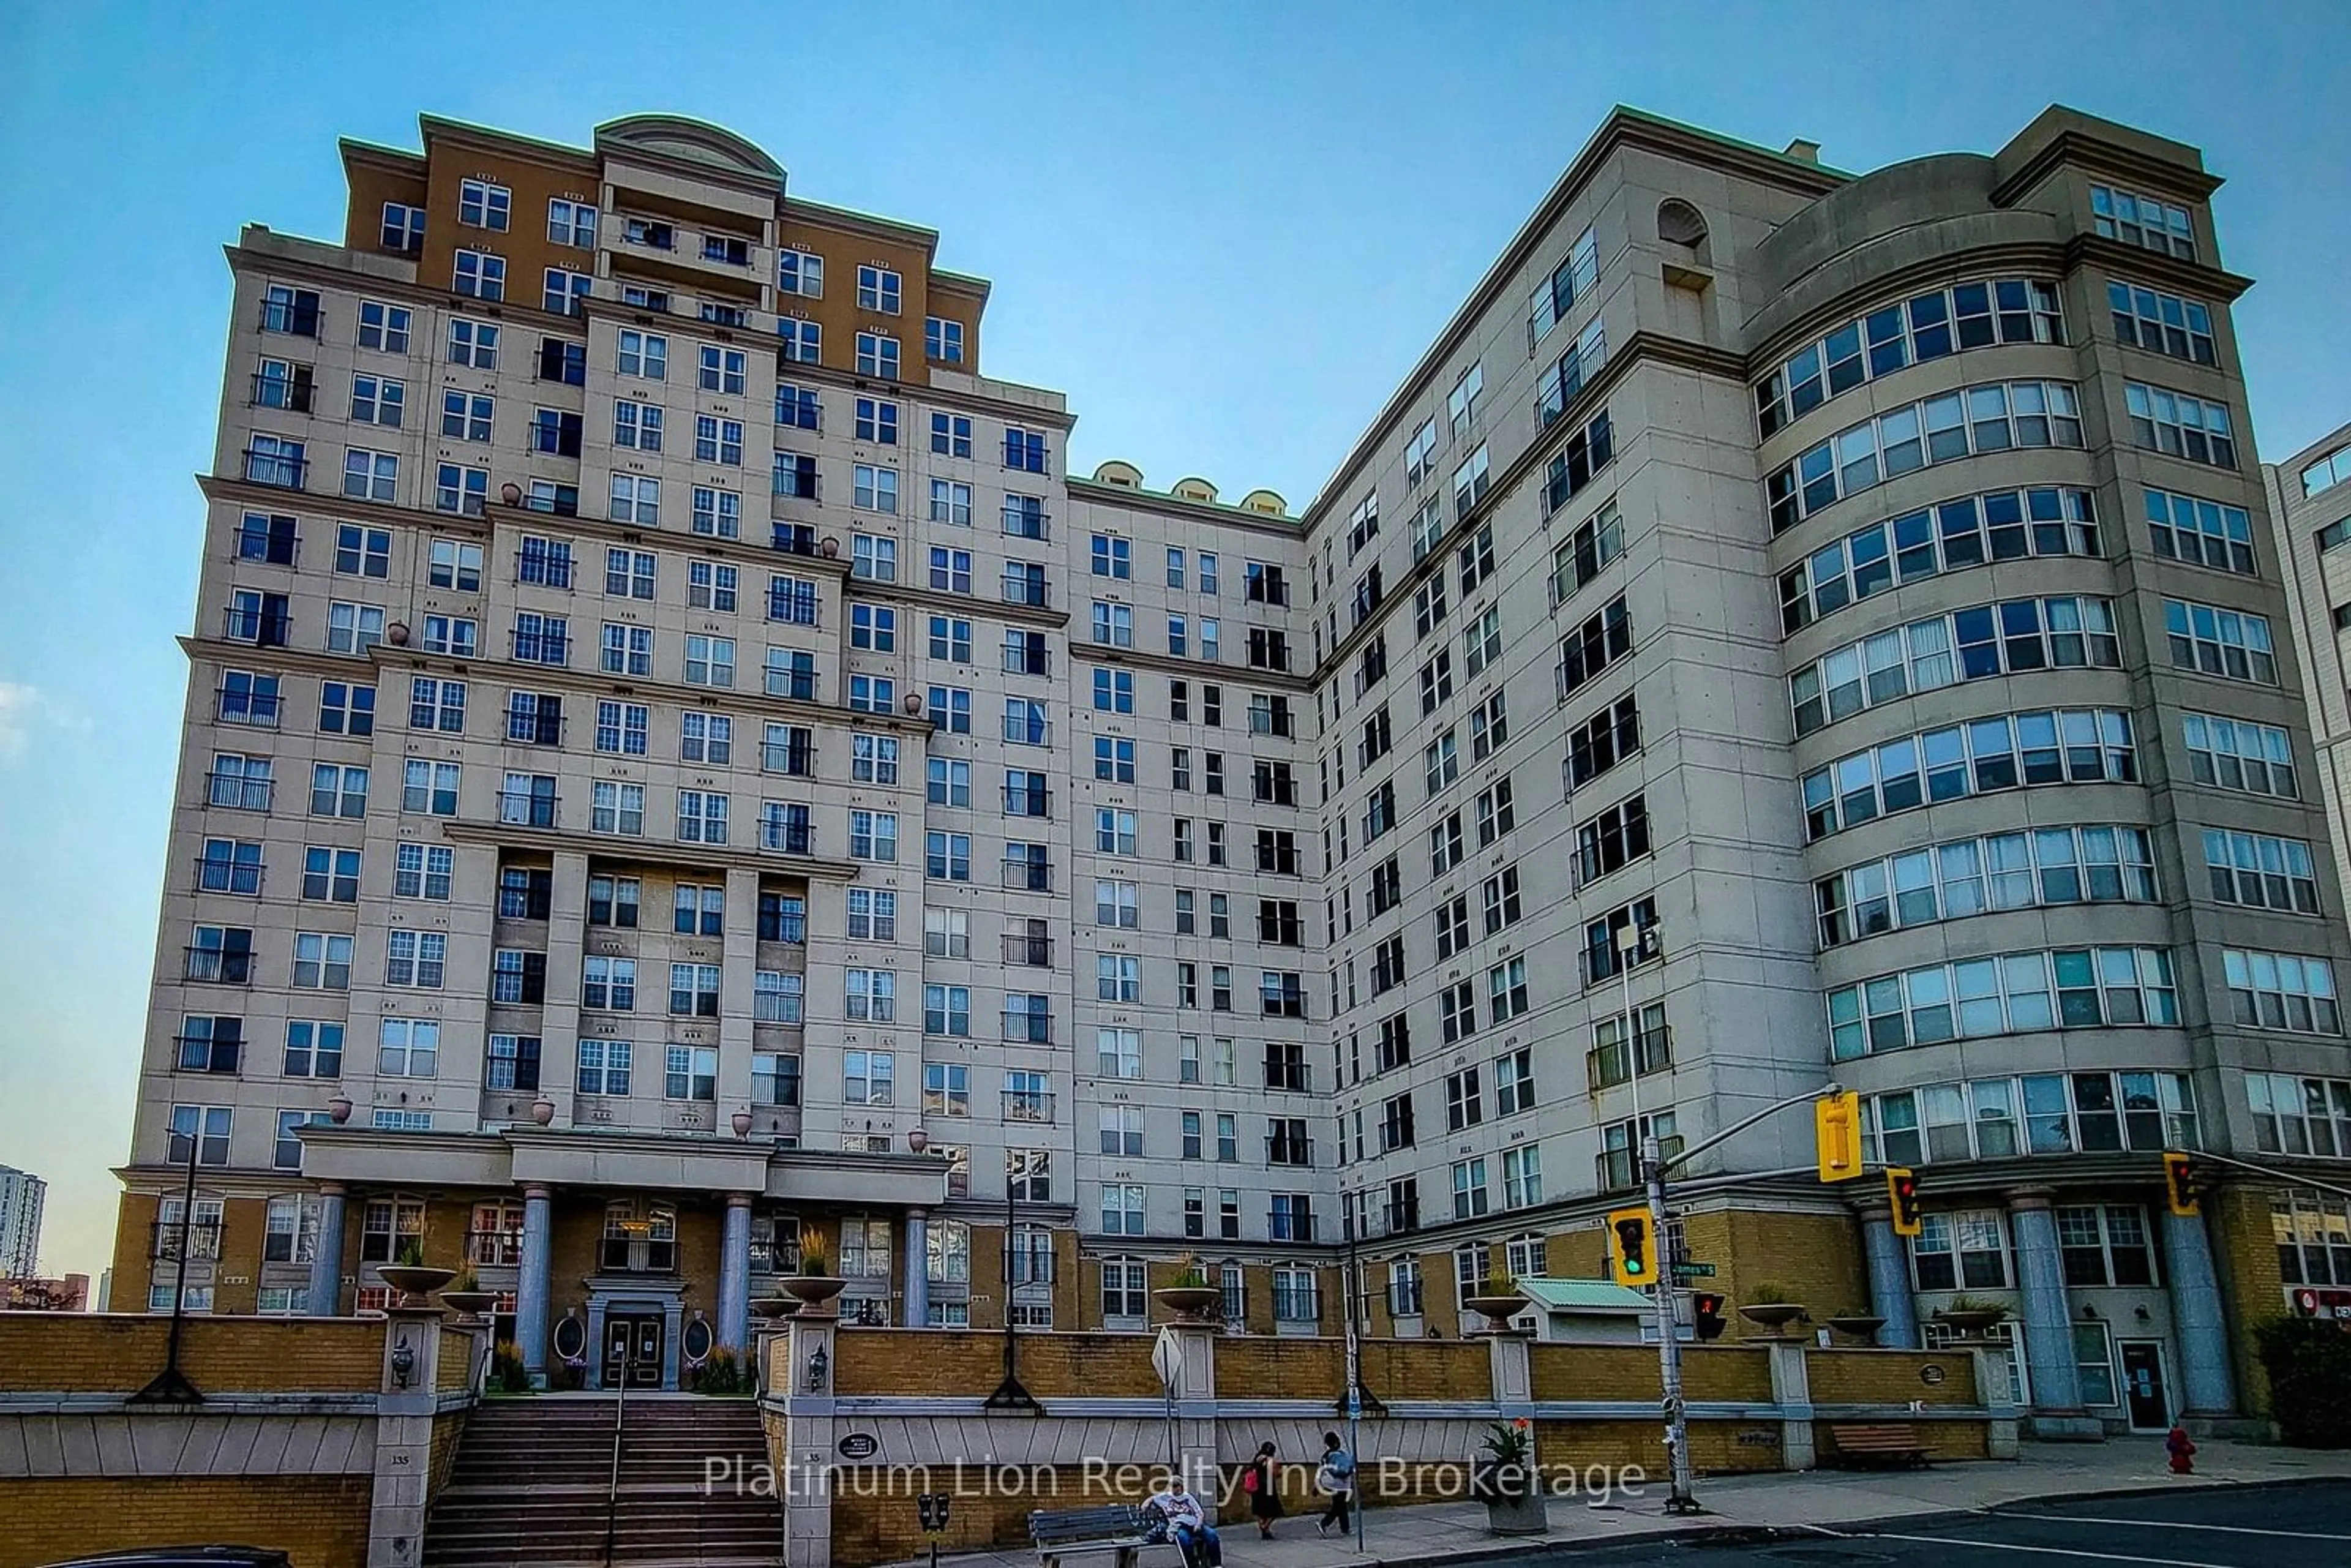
{"x":1902,"y":1191}
{"x":1706,"y":1315}
{"x":1631,"y":1257}
{"x":2183,"y":1180}
{"x":1836,"y":1125}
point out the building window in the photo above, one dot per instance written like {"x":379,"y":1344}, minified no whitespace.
{"x":942,"y":339}
{"x":1963,"y":1250}
{"x":2014,"y":993}
{"x":2143,"y":221}
{"x":2260,"y":872}
{"x":2001,"y":752}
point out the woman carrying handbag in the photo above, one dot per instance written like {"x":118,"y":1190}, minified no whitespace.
{"x":1262,"y":1481}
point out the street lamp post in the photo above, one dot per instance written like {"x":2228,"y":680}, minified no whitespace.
{"x":171,"y":1385}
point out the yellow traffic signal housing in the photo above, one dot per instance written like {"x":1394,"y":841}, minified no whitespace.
{"x":1902,"y":1192}
{"x":2181,"y":1180}
{"x":1632,"y":1257}
{"x":1836,"y":1126}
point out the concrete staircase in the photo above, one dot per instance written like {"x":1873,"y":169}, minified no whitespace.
{"x":528,"y":1488}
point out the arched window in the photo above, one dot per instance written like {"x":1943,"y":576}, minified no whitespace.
{"x":1232,"y":1286}
{"x":1680,"y":223}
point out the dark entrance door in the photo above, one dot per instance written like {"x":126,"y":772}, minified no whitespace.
{"x":632,"y":1349}
{"x":2143,"y":1391}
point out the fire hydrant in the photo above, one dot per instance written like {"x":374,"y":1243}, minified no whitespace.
{"x":2182,"y":1449}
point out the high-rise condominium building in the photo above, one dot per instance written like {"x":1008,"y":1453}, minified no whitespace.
{"x":1787,"y":626}
{"x":22,"y":1195}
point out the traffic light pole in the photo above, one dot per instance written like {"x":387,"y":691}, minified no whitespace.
{"x":1669,"y":1341}
{"x":1654,"y":1166}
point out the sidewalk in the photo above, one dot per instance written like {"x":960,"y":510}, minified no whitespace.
{"x":1438,"y":1532}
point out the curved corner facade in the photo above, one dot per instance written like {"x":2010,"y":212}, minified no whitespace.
{"x":1788,"y":627}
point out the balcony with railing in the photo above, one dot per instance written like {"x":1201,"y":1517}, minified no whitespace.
{"x":265,"y":628}
{"x":1281,"y":1149}
{"x":218,"y":966}
{"x":1035,"y":804}
{"x":792,"y":758}
{"x":203,"y":1238}
{"x":797,"y":538}
{"x":259,"y":709}
{"x":1029,"y":952}
{"x":238,"y":791}
{"x":242,"y":877}
{"x":285,"y":471}
{"x":290,"y":393}
{"x":1029,"y":876}
{"x":525,"y":809}
{"x":1031,"y":592}
{"x":1029,"y":1105}
{"x":786,"y":836}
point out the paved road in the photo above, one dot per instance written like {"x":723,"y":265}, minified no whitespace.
{"x":2292,"y":1526}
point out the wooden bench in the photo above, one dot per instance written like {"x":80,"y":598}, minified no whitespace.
{"x":1118,"y":1529}
{"x":1892,"y":1444}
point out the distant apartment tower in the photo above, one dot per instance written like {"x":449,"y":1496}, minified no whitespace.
{"x":1788,"y":626}
{"x":22,"y":1195}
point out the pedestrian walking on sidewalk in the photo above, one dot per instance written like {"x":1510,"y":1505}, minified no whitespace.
{"x":1262,"y":1481}
{"x":1335,"y":1479}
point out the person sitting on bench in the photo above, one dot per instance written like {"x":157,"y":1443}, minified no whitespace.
{"x":1194,"y":1534}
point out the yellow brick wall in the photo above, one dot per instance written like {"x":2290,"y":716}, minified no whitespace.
{"x":885,"y":1527}
{"x":1425,"y":1369}
{"x":1817,"y":1255}
{"x":1273,"y":1367}
{"x":1606,"y":1372}
{"x":1888,"y":1377}
{"x":83,"y":1352}
{"x":320,"y":1521}
{"x":916,"y":1360}
{"x":2244,"y":1255}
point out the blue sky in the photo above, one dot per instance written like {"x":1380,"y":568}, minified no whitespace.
{"x":1223,"y":230}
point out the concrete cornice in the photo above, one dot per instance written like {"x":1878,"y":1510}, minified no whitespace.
{"x":1215,"y":513}
{"x":649,"y":851}
{"x":1623,"y":127}
{"x":2086,"y":150}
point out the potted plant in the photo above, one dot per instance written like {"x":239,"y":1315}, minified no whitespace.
{"x":411,"y":1278}
{"x":815,"y":1284}
{"x":1500,"y":1299}
{"x":1857,"y":1323}
{"x":721,"y":1374}
{"x":508,"y":1374}
{"x":1190,"y":1296}
{"x":1972,"y":1315}
{"x":1775,"y":1306}
{"x":1503,"y":1478}
{"x":465,"y":1293}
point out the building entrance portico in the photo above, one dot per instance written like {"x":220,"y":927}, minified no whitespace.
{"x":634,"y":1324}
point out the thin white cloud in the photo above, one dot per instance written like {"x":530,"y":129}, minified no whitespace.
{"x":19,"y":703}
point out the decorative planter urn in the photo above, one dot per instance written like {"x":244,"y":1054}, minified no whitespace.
{"x":415,"y":1283}
{"x":1189,"y":1301}
{"x":1498,"y":1309}
{"x":1971,"y":1322}
{"x":1862,"y":1326}
{"x":774,"y":1306}
{"x":470,"y":1305}
{"x":812,"y":1290}
{"x":1772,"y":1316}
